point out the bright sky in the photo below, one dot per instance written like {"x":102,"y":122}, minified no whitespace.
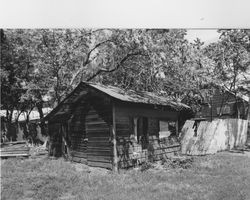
{"x":205,"y":35}
{"x":125,"y":14}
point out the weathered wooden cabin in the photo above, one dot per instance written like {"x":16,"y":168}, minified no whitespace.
{"x":108,"y":127}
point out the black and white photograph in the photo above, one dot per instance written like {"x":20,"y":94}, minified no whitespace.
{"x":125,"y":100}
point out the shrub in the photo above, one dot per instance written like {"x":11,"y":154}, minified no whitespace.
{"x":177,"y":162}
{"x":146,"y":165}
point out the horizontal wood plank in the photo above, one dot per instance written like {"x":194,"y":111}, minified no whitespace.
{"x":107,"y":159}
{"x":14,"y":155}
{"x":100,"y":164}
{"x":79,"y":160}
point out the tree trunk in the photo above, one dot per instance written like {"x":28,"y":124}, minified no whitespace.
{"x":9,"y":121}
{"x":42,"y":123}
{"x":28,"y":135}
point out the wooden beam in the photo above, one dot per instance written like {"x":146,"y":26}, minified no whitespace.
{"x":177,"y":127}
{"x":135,"y":110}
{"x":115,"y":158}
{"x":15,"y":155}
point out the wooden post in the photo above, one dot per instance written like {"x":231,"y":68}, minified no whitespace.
{"x":115,"y":159}
{"x":211,"y":110}
{"x":177,"y":127}
{"x":248,"y":120}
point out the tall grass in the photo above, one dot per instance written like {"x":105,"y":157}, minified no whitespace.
{"x":222,"y":176}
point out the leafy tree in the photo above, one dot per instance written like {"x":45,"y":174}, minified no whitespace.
{"x":232,"y":57}
{"x":14,"y":69}
{"x":49,"y":63}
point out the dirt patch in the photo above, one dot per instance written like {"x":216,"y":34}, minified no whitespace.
{"x":80,"y":167}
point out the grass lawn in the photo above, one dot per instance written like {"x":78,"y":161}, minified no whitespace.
{"x":221,"y":176}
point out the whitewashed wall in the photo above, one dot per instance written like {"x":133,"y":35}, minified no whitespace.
{"x":211,"y":137}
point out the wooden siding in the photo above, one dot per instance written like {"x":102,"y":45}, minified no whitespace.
{"x":127,"y":109}
{"x":99,"y":150}
{"x":89,"y":130}
{"x":221,"y":98}
{"x":55,"y":139}
{"x":130,"y":152}
{"x":77,"y":134}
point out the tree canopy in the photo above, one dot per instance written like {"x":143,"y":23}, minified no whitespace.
{"x":40,"y":64}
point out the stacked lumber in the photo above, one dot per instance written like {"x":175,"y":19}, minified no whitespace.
{"x":14,"y":149}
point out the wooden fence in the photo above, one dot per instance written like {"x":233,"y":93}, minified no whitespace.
{"x":201,"y":138}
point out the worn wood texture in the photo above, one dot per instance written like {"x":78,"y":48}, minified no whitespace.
{"x":98,"y":129}
{"x":90,"y":118}
{"x":55,"y":138}
{"x":146,"y":111}
{"x":219,"y":100}
{"x":14,"y":149}
{"x":130,"y":151}
{"x":77,"y":133}
{"x":211,"y":137}
{"x":89,"y":131}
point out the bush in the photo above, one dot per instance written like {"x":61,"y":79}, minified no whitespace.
{"x":147,"y":165}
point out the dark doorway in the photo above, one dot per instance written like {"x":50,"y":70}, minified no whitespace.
{"x":142,"y":130}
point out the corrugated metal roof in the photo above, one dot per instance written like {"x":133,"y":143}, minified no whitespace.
{"x":137,"y":97}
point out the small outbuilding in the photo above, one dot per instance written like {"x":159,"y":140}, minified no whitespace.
{"x":222,"y":123}
{"x":109,"y":127}
{"x":222,"y":104}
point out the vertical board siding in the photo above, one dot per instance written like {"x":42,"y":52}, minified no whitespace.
{"x":220,"y":98}
{"x":218,"y":135}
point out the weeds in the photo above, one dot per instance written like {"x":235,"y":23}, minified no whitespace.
{"x":178,"y":162}
{"x":210,"y":177}
{"x":145,"y":166}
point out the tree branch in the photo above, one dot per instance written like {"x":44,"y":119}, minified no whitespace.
{"x":87,"y":60}
{"x":125,"y":58}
